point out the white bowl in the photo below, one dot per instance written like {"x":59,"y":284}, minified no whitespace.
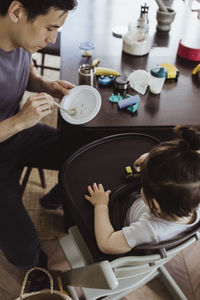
{"x":87,"y":102}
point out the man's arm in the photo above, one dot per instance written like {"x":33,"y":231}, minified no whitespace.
{"x":31,"y":113}
{"x":37,"y":106}
{"x":55,"y":88}
{"x":10,"y":127}
{"x":108,"y":240}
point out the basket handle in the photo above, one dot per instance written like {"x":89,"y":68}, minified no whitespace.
{"x":26,"y":278}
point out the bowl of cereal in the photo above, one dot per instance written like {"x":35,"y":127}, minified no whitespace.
{"x":85,"y":100}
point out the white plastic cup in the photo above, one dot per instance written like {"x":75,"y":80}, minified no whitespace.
{"x":158,"y":76}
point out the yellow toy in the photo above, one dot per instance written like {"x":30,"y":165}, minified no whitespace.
{"x":131,"y":173}
{"x":196,"y":74}
{"x":196,"y":69}
{"x":172,"y":71}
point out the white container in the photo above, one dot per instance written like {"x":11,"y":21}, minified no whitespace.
{"x":158,"y":76}
{"x":137,"y":41}
{"x":86,"y":48}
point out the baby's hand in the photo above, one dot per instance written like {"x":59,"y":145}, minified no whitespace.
{"x":97,"y":195}
{"x":138,"y":162}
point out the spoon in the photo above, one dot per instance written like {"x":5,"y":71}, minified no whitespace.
{"x":69,"y":111}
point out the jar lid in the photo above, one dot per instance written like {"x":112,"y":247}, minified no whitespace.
{"x":87,"y":46}
{"x":119,"y":31}
{"x":121,"y":82}
{"x":159,"y":72}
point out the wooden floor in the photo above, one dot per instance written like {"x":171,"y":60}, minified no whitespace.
{"x":185,"y":269}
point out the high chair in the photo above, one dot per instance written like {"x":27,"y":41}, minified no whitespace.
{"x":109,"y":276}
{"x":118,"y":277}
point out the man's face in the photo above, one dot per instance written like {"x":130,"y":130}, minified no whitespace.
{"x":36,"y":34}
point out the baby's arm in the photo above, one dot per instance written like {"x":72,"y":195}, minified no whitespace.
{"x":108,"y":240}
{"x":139,"y":161}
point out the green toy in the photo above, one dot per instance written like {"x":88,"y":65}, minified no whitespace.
{"x":115,"y":98}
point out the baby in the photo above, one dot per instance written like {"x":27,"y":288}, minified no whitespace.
{"x":170,"y":196}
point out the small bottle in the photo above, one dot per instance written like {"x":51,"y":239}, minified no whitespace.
{"x":137,"y":41}
{"x":86,"y":48}
{"x":158,"y":76}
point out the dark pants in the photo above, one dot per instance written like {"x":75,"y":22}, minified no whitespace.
{"x":40,"y":146}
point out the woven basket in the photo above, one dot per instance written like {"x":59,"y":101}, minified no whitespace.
{"x":42,"y":295}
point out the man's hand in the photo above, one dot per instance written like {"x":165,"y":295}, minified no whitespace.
{"x":35,"y":109}
{"x":97,"y":195}
{"x":40,"y":84}
{"x":57,"y":88}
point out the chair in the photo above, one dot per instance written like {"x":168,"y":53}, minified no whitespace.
{"x":26,"y":177}
{"x":97,"y":274}
{"x":103,"y":160}
{"x":51,"y":49}
{"x":117,"y":278}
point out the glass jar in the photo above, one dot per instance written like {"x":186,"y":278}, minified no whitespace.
{"x":137,"y":40}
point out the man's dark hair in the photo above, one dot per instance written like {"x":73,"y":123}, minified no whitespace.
{"x":35,"y":8}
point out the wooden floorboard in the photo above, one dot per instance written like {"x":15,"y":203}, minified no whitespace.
{"x":153,"y":290}
{"x":177,"y":269}
{"x":10,"y":279}
{"x":192,"y":262}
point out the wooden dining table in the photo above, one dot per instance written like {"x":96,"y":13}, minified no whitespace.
{"x":179,"y":101}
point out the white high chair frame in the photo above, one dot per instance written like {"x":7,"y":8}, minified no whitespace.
{"x":115,"y":279}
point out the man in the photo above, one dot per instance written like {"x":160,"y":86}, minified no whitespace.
{"x":25,"y":27}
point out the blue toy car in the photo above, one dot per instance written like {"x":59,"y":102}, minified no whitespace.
{"x":105,"y":80}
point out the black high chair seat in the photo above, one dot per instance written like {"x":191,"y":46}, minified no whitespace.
{"x":102,"y":161}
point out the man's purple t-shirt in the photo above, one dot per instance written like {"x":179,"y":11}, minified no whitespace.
{"x":14,"y":74}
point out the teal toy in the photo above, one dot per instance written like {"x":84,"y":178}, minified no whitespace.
{"x":115,"y":98}
{"x":133,"y":108}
